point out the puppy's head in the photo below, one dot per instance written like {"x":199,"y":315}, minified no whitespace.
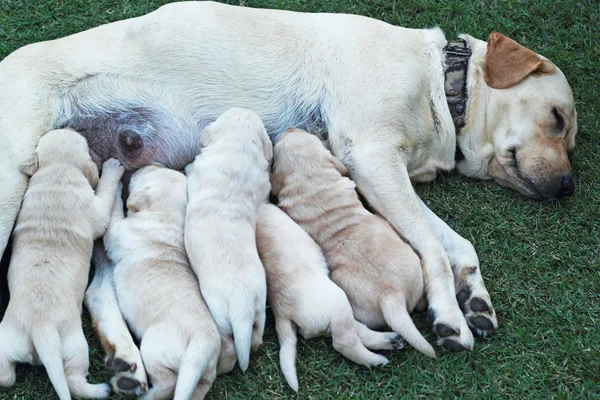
{"x":155,"y":187}
{"x":238,"y":126}
{"x":531,"y":119}
{"x":64,"y":146}
{"x":298,"y":151}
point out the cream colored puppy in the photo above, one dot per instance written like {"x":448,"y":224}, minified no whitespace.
{"x":378,"y":271}
{"x":157,"y":290}
{"x":229,"y":180}
{"x":60,"y":218}
{"x":303,"y":297}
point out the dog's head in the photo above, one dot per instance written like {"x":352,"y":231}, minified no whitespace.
{"x":238,"y":126}
{"x":155,"y":187}
{"x":523,"y":110}
{"x":63,"y":146}
{"x":299,"y":151}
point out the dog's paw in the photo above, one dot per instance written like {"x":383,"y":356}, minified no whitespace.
{"x":398,"y":342}
{"x":113,"y":166}
{"x":478,"y":311}
{"x":453,"y":337}
{"x":127,"y":378}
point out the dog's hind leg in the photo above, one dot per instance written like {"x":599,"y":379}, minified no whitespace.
{"x":122,"y":357}
{"x":373,"y":340}
{"x":14,"y":347}
{"x":76,"y":362}
{"x":471,"y":293}
{"x":347,"y":341}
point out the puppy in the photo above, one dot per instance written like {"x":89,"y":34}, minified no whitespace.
{"x":156,"y":288}
{"x":227,"y":183}
{"x":52,"y":245}
{"x":302,"y":295}
{"x":378,"y":271}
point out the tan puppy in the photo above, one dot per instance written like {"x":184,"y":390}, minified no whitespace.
{"x":228,"y":182}
{"x":59,"y":220}
{"x":157,"y":290}
{"x":302,"y":296}
{"x":378,"y":271}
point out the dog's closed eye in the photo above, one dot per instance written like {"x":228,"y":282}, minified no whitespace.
{"x":560,"y":121}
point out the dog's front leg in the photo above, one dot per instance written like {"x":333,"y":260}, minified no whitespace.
{"x":122,"y":357}
{"x":473,"y":298}
{"x":381,"y":176}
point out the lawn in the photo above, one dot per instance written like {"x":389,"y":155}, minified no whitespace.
{"x":540,"y":261}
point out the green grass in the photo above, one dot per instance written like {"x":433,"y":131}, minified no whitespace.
{"x":540,"y":261}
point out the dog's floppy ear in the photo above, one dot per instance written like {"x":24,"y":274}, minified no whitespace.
{"x":137,"y":200}
{"x":338,"y":165}
{"x":508,"y":63}
{"x":30,"y":166}
{"x":267,"y":146}
{"x":91,"y":173}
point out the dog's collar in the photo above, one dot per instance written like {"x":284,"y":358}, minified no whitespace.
{"x":455,"y":80}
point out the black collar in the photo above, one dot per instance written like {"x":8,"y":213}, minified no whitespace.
{"x":455,"y":84}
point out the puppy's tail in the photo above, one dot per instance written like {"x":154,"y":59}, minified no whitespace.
{"x":48,"y":345}
{"x":397,"y":317}
{"x":288,"y":338}
{"x":199,"y":356}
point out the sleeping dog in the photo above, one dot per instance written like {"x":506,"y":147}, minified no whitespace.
{"x":393,"y":103}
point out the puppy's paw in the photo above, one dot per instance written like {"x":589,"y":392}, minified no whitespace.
{"x":129,"y":378}
{"x":398,"y":342}
{"x":450,"y":336}
{"x":478,"y":310}
{"x":113,"y":166}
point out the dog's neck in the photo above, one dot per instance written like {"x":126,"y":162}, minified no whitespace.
{"x":474,"y":142}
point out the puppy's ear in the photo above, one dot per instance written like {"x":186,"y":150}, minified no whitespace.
{"x":30,"y":166}
{"x":137,"y":200}
{"x":341,"y":168}
{"x":508,"y":63}
{"x":91,"y":173}
{"x":267,"y":148}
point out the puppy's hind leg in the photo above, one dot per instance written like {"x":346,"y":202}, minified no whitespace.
{"x":373,"y":340}
{"x":13,"y":347}
{"x":348,"y":343}
{"x":122,"y":357}
{"x":76,"y":362}
{"x":227,"y":357}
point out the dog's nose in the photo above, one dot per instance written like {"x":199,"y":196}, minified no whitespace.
{"x":567,"y":187}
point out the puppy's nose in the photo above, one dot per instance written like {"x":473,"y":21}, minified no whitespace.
{"x":567,"y":187}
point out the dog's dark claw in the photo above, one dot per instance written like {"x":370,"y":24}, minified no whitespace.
{"x":398,"y":342}
{"x":482,"y":323}
{"x":443,"y":331}
{"x":478,"y":305}
{"x":125,"y":383}
{"x":453,"y":346}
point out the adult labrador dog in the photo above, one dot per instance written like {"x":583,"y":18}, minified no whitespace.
{"x":395,"y":105}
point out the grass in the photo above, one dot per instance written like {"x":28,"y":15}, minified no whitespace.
{"x":540,"y":260}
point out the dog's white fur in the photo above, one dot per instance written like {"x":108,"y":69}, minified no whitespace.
{"x":156,"y":287}
{"x":53,"y":238}
{"x":122,"y":356}
{"x":226,"y":184}
{"x":303,"y":297}
{"x":376,"y":89}
{"x":378,"y":271}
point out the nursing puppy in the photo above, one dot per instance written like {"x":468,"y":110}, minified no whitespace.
{"x":157,"y":290}
{"x":302,"y":296}
{"x":380,"y":274}
{"x":227,"y":183}
{"x":52,"y":244}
